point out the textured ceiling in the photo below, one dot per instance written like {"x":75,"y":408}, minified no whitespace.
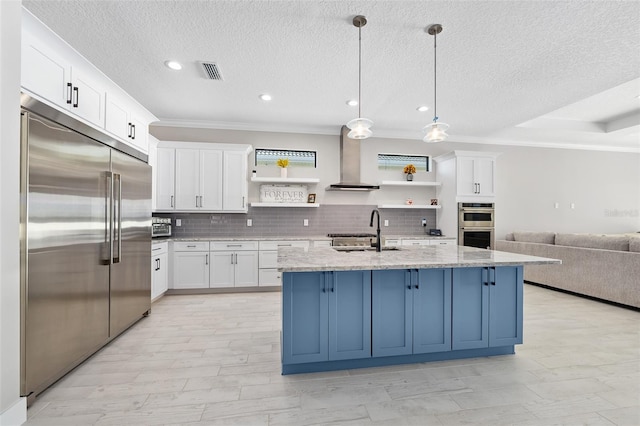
{"x":505,"y":69}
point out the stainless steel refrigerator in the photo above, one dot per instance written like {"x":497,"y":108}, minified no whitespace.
{"x":85,"y":243}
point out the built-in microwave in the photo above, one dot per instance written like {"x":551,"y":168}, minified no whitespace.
{"x":160,"y":226}
{"x":476,"y":215}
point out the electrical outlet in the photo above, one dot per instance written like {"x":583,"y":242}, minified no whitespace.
{"x":249,"y":222}
{"x":424,"y":222}
{"x":386,"y":222}
{"x":178,"y":222}
{"x":305,"y":222}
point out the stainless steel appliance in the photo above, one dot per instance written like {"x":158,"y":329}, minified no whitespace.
{"x":85,"y":243}
{"x":476,"y":225}
{"x":160,"y":226}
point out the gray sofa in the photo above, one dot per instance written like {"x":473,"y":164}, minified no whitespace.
{"x":606,"y":267}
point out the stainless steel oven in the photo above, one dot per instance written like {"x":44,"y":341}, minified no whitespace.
{"x":476,"y":237}
{"x":476,"y":215}
{"x":476,"y":225}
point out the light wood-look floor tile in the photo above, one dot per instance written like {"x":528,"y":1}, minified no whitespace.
{"x":215,"y":360}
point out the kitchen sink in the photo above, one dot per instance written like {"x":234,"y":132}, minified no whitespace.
{"x":348,"y":249}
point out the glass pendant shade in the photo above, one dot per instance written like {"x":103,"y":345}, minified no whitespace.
{"x":360,"y":128}
{"x":435,"y":132}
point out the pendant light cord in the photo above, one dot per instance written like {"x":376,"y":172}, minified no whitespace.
{"x":435,"y":77}
{"x":359,"y":66}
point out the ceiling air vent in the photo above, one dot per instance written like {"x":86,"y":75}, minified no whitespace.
{"x":212,"y":71}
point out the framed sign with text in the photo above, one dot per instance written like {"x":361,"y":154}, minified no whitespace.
{"x":283,"y":194}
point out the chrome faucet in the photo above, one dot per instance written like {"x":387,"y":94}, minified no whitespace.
{"x":377,"y":246}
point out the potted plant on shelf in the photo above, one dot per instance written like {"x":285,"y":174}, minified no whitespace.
{"x":283,"y":163}
{"x":409,"y":170}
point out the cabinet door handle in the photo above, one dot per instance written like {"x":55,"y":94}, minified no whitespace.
{"x":492,"y":275}
{"x":236,"y":256}
{"x":231,"y":258}
{"x":206,"y":259}
{"x":128,"y":130}
{"x":159,"y":264}
{"x":234,"y":245}
{"x":242,"y":202}
{"x":201,"y":201}
{"x":479,"y":189}
{"x":69,"y":92}
{"x":191,"y":246}
{"x":76,"y":91}
{"x":485,"y":276}
{"x":133,"y":131}
{"x":172,"y":201}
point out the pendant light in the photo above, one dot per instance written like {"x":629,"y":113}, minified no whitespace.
{"x":360,"y":127}
{"x":435,"y":132}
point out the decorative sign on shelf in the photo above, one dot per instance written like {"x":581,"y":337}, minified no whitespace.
{"x":283,"y":194}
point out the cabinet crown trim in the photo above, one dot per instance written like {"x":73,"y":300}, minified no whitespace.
{"x":457,"y":153}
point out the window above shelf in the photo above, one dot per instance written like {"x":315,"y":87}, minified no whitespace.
{"x":408,"y":183}
{"x":284,"y":180}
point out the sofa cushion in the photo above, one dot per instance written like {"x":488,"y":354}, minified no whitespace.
{"x":606,"y":242}
{"x":535,"y":237}
{"x":634,"y":244}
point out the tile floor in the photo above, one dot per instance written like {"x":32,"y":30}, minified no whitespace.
{"x":214,"y":360}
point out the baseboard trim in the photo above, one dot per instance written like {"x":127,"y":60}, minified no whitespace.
{"x":585,"y":296}
{"x":16,"y":414}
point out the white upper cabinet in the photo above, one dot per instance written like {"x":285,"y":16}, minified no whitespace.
{"x":201,"y":177}
{"x":51,"y":76}
{"x":165,"y":179}
{"x":235,"y":181}
{"x":476,"y":176}
{"x":55,"y":73}
{"x":122,"y":121}
{"x":472,"y":174}
{"x":198,"y":180}
{"x":211,"y":180}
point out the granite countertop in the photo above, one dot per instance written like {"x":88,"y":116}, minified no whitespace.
{"x":288,"y":238}
{"x":283,"y":238}
{"x":328,"y":259}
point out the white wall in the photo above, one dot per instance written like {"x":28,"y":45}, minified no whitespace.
{"x":12,"y":407}
{"x":603,"y":186}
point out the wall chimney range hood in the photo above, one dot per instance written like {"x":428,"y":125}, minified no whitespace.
{"x":350,"y":166}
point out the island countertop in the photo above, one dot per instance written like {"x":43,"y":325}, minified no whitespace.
{"x":425,"y":257}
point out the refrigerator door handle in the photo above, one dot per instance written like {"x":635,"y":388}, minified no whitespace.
{"x":108,"y":207}
{"x":117,"y":217}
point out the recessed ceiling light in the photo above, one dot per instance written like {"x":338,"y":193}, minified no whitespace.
{"x":423,"y":108}
{"x":174,"y":65}
{"x":265,"y":97}
{"x":352,"y":102}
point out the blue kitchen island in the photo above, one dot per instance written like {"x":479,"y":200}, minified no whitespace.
{"x":362,"y":308}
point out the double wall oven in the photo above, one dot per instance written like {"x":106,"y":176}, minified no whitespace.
{"x":476,"y":225}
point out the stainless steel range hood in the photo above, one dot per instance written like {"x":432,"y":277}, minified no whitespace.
{"x":350,"y":166}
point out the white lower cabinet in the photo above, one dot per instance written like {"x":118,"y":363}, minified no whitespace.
{"x":190,"y":264}
{"x":233,"y":264}
{"x":443,"y":242}
{"x":416,"y":242}
{"x":268,"y":275}
{"x":159,"y":269}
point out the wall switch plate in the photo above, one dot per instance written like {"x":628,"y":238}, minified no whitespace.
{"x":573,"y":205}
{"x":556,"y":205}
{"x":386,"y":222}
{"x":178,"y":222}
{"x":305,"y":222}
{"x":249,"y":222}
